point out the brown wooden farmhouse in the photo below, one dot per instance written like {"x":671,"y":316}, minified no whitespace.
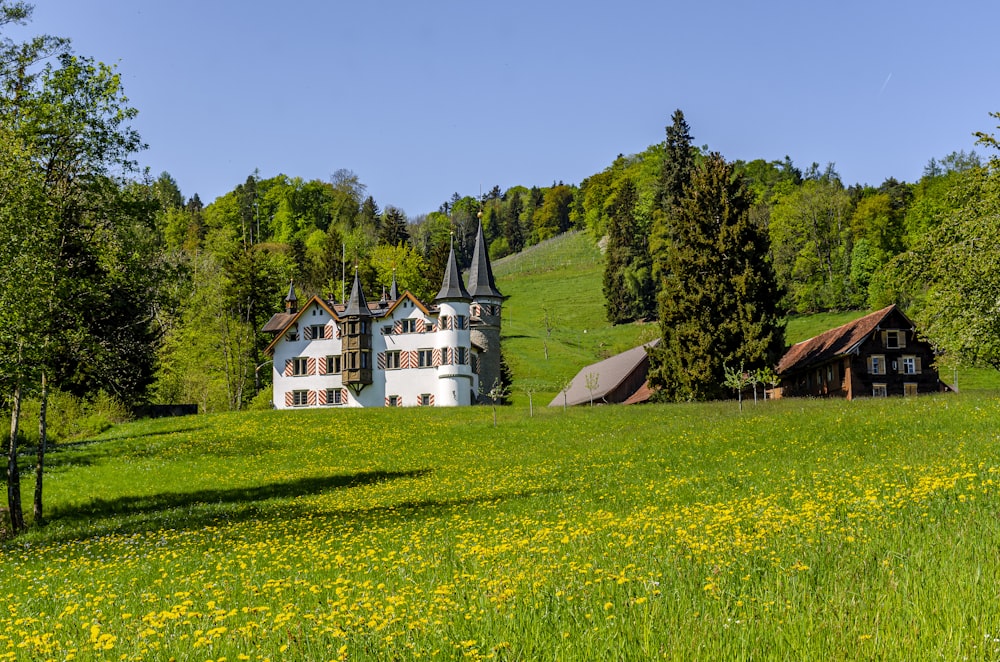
{"x":875,"y":356}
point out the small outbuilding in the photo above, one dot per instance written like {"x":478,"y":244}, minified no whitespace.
{"x":618,"y":379}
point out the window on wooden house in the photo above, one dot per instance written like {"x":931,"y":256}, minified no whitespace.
{"x":300,"y":398}
{"x":895,"y":339}
{"x":300,"y":366}
{"x":876,"y":364}
{"x":366,"y":360}
{"x":910,"y":388}
{"x":910,"y":365}
{"x":879,"y":391}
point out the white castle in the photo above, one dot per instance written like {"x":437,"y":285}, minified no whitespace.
{"x":398,"y":352}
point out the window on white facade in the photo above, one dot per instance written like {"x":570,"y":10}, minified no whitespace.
{"x":334,"y":396}
{"x":300,"y":366}
{"x":317,"y":331}
{"x":460,"y":322}
{"x":460,"y":356}
{"x":425,"y":358}
{"x":300,"y":398}
{"x":409,"y":325}
{"x":392,"y":401}
{"x":425,"y":399}
{"x":291,"y":336}
{"x":392,"y":360}
{"x":443,"y":322}
{"x":333,"y":364}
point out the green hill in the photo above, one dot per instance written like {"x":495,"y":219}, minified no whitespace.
{"x":561,"y":280}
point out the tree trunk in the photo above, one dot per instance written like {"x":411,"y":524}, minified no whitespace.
{"x":42,"y":440}
{"x":13,"y":477}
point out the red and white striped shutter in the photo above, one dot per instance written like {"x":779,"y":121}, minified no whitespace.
{"x":321,"y":366}
{"x":421,"y":326}
{"x":288,"y":368}
{"x":397,"y":327}
{"x":343,"y":396}
{"x":431,"y":400}
{"x":475,"y":364}
{"x":311,"y":366}
{"x":307,"y":333}
{"x":321,"y":397}
{"x":436,"y":357}
{"x":336,"y":330}
{"x":328,"y":331}
{"x":387,"y":401}
{"x":312,"y":398}
{"x":414,"y":359}
{"x":380,"y":360}
{"x":289,"y":398}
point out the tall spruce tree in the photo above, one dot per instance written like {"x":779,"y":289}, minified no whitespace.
{"x":628,"y":285}
{"x":719,"y":298}
{"x":678,"y":164}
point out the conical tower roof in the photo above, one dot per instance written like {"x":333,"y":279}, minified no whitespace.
{"x":452,"y":287}
{"x":356,"y":305}
{"x":290,"y":297}
{"x":394,"y":290}
{"x":481,"y":283}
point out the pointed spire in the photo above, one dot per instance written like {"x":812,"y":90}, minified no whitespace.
{"x":356,"y":305}
{"x":394,"y":290}
{"x":291,"y":301}
{"x":452,"y":286}
{"x":481,"y":283}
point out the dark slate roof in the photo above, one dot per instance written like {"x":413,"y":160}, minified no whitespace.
{"x":278,"y":322}
{"x":452,"y":287}
{"x":356,"y":305}
{"x":394,"y":289}
{"x":610,"y":373}
{"x":833,"y":343}
{"x":291,"y":292}
{"x":481,"y":283}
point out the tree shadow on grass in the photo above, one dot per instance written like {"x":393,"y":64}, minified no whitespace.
{"x":222,"y":507}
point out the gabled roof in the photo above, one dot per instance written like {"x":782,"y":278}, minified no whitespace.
{"x":279,"y":322}
{"x":481,"y":283}
{"x":452,"y":287}
{"x":611,"y":372}
{"x":356,"y":305}
{"x":834,"y":343}
{"x":407,"y":296}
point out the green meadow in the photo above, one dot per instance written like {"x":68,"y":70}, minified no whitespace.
{"x":799,"y":529}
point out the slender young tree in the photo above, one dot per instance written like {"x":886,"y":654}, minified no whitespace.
{"x":719,"y":298}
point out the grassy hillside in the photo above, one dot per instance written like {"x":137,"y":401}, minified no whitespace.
{"x":559,"y":279}
{"x":799,"y":530}
{"x":562,"y":279}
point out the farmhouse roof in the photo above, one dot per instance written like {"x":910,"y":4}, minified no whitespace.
{"x":481,"y":283}
{"x":452,"y":287}
{"x":834,"y":343}
{"x":610,"y":372}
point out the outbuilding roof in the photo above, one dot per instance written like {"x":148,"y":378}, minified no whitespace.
{"x":610,"y":373}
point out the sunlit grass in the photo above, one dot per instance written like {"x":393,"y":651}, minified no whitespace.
{"x":798,"y":530}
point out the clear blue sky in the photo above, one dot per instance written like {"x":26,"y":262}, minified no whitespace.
{"x":422,"y":99}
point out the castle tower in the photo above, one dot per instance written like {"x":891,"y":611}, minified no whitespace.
{"x":452,"y":340}
{"x":356,"y":334}
{"x":487,"y":302}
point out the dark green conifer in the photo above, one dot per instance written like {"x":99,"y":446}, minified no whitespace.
{"x":719,"y":298}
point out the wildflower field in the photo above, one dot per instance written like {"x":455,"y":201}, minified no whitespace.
{"x":797,"y":530}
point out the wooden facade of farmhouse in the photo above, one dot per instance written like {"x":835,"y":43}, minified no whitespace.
{"x":878,"y":355}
